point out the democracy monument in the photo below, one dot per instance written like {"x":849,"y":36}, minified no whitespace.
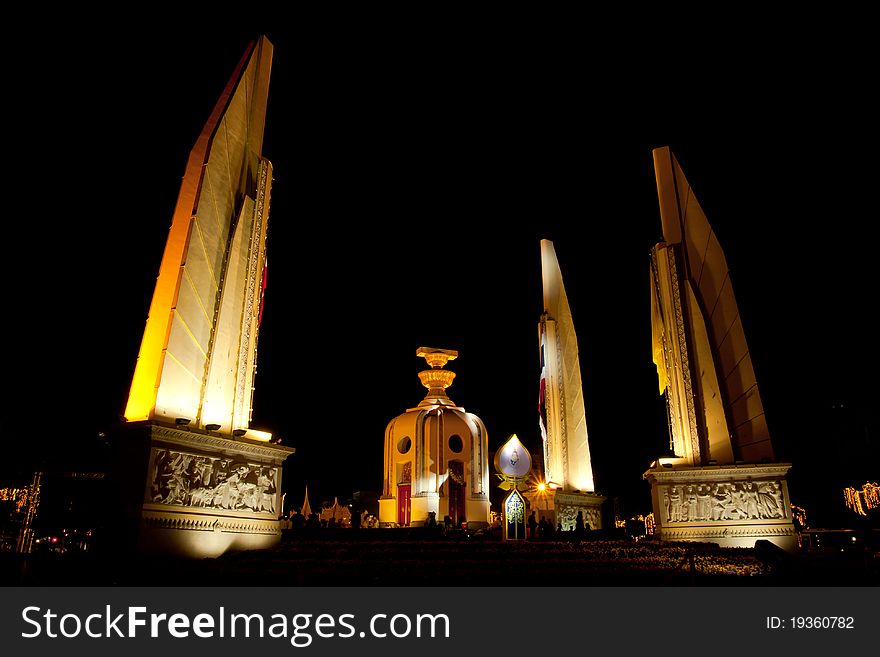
{"x":566,"y":487}
{"x":436,"y":457}
{"x":191,"y":477}
{"x":719,"y":482}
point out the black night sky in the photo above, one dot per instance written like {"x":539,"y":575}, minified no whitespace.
{"x":414,"y":178}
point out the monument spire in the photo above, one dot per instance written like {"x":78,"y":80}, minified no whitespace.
{"x":720,"y":484}
{"x":189,"y":475}
{"x":567,"y":487}
{"x":566,"y":446}
{"x":198,"y":353}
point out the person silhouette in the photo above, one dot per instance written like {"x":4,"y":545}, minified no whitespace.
{"x":579,"y":525}
{"x":297,"y":521}
{"x":533,"y":525}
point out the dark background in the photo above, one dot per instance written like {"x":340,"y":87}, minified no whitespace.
{"x":415,"y":174}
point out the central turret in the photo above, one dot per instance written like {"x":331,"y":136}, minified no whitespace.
{"x":436,"y":457}
{"x":436,"y":379}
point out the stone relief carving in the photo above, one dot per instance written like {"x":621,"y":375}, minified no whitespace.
{"x":724,"y":501}
{"x":567,"y":514}
{"x":181,"y":479}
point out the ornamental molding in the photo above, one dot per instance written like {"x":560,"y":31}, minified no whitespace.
{"x":713,"y":525}
{"x":256,"y":248}
{"x":782,"y":524}
{"x":758,"y":531}
{"x":219,"y":524}
{"x":579,"y":499}
{"x":276,"y":454}
{"x":731,"y":473}
{"x":157,"y":509}
{"x":683,"y":350}
{"x":560,"y":387}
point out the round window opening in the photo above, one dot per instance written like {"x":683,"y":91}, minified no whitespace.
{"x":455,"y":443}
{"x":404,"y":444}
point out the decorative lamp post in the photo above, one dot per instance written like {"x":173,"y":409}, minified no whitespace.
{"x":513,"y":463}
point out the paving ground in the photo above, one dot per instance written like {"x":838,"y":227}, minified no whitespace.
{"x":409,"y":559}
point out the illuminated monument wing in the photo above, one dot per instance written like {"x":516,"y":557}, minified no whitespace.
{"x":720,"y":483}
{"x":211,"y":483}
{"x":568,"y":472}
{"x":197,"y":356}
{"x":436,"y":457}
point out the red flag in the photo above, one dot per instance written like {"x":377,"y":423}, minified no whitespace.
{"x":262,"y":293}
{"x":542,"y":406}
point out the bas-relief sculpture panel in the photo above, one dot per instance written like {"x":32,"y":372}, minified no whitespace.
{"x":181,"y":479}
{"x":724,"y":501}
{"x":566,"y":515}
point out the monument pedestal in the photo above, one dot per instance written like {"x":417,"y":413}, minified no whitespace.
{"x":421,"y":505}
{"x":731,"y":505}
{"x":193,"y":493}
{"x":561,"y":507}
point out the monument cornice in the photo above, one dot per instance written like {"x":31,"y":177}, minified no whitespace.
{"x":214,"y":444}
{"x":719,"y":473}
{"x":209,"y":512}
{"x":570,"y":497}
{"x":192,"y":522}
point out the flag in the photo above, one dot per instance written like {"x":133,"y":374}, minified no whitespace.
{"x":542,"y":406}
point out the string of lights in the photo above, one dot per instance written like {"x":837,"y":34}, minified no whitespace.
{"x":862,"y":500}
{"x":19,"y":496}
{"x":800,"y":514}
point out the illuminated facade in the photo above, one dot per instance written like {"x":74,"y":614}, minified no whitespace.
{"x":720,"y":482}
{"x":193,"y":476}
{"x":436,"y":457}
{"x":198,"y":353}
{"x":568,"y":473}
